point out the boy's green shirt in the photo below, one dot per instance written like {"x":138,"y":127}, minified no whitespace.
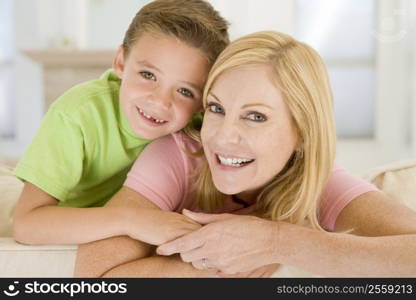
{"x":84,"y":147}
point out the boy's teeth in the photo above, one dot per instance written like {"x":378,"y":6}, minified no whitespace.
{"x":233,"y":162}
{"x":150,"y":117}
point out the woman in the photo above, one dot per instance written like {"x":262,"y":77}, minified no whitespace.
{"x":269,"y":140}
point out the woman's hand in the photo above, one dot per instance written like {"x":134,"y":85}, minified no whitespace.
{"x":156,"y":227}
{"x":229,"y":243}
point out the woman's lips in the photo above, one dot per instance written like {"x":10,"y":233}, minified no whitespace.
{"x":232,"y":162}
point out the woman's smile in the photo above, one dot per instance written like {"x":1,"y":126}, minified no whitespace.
{"x":233,"y":161}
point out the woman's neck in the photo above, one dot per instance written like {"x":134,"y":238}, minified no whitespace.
{"x":246,"y":198}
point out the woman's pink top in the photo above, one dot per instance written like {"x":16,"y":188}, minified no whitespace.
{"x":163,"y":174}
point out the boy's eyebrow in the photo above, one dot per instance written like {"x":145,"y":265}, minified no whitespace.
{"x":193,"y":85}
{"x":245,"y":105}
{"x":149,"y":65}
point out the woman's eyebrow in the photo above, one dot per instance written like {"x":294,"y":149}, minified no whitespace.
{"x":213,"y":95}
{"x":257,"y":104}
{"x":245,"y":105}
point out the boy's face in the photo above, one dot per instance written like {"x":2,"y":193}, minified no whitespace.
{"x":161,"y":84}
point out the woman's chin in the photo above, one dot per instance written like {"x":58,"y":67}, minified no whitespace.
{"x":227,"y":189}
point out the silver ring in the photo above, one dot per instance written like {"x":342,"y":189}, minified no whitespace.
{"x":204,"y":263}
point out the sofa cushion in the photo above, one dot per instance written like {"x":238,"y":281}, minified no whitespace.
{"x":10,"y":188}
{"x":397,"y":180}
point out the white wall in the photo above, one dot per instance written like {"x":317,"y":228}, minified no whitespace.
{"x":247,"y":16}
{"x":106,"y":23}
{"x":29,"y":90}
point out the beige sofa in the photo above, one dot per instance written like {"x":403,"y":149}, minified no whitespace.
{"x":16,"y":260}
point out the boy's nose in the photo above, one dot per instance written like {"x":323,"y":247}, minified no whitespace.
{"x":163,"y":98}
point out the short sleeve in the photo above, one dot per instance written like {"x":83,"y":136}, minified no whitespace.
{"x":159,"y":174}
{"x":341,"y":188}
{"x":54,"y":160}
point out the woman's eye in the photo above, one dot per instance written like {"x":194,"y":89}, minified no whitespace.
{"x":148,"y":75}
{"x":186,"y":92}
{"x":256,"y":117}
{"x":215,"y":108}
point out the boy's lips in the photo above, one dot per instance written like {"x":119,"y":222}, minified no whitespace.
{"x":149,"y":118}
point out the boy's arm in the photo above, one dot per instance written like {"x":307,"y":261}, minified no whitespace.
{"x":37,"y":211}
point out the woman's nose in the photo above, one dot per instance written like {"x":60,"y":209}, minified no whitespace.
{"x":228,"y":132}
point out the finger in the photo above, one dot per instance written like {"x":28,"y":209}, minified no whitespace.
{"x":194,"y":255}
{"x":203,"y":218}
{"x":200,"y":265}
{"x":185,"y":243}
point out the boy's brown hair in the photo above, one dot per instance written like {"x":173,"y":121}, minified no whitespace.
{"x":194,"y":22}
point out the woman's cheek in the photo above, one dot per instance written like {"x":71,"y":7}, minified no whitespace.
{"x":208,"y":127}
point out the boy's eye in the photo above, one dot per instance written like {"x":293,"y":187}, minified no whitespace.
{"x":256,"y":117}
{"x":186,"y":92}
{"x":215,"y":108}
{"x":148,"y":75}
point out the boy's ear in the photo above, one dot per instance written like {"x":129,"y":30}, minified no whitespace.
{"x":118,"y":61}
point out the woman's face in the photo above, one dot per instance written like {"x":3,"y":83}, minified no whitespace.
{"x":248,"y":134}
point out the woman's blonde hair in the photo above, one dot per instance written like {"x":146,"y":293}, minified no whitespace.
{"x":300,"y":74}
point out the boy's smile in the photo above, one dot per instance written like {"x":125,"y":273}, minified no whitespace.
{"x":151,"y":120}
{"x":161,"y":84}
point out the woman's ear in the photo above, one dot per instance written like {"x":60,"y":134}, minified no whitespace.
{"x":118,"y":61}
{"x":300,"y":144}
{"x":299,"y":150}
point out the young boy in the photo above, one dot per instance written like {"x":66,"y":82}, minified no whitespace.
{"x":93,"y":133}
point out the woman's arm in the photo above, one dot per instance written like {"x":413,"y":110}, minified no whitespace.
{"x":382,"y":243}
{"x":146,"y":222}
{"x":37,"y":211}
{"x":386,"y":246}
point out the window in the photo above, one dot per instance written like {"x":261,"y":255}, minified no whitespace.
{"x":7,"y":107}
{"x":343,"y":32}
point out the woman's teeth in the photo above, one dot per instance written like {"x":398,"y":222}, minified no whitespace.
{"x":233,"y":162}
{"x":150,"y":117}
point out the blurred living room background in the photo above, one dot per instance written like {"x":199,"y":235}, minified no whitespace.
{"x":369,"y":46}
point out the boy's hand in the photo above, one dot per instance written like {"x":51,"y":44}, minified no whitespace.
{"x":156,"y":227}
